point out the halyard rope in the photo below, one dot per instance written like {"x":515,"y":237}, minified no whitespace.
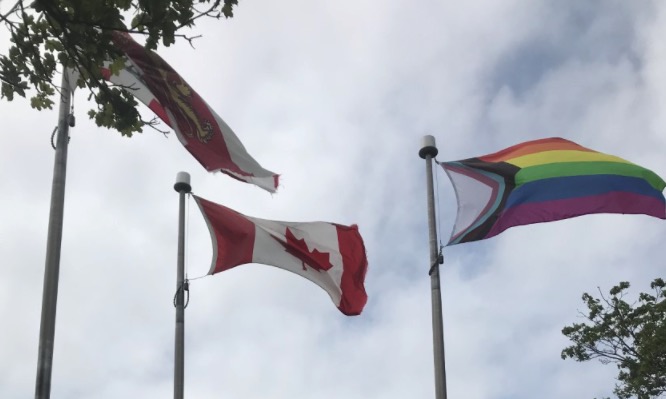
{"x":440,"y":254}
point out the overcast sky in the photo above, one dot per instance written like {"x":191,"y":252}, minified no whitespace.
{"x":335,"y":97}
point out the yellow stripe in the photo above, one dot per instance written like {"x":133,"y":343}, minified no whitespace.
{"x":546,"y":157}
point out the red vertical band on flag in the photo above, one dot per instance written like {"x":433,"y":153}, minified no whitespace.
{"x":233,"y":238}
{"x":355,"y":265}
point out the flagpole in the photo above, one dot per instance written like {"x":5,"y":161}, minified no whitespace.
{"x":428,"y":151}
{"x":183,"y":187}
{"x":53,"y":244}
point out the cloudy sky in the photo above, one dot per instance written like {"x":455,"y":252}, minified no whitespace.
{"x":335,"y":97}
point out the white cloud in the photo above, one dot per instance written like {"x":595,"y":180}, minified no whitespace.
{"x":335,"y":97}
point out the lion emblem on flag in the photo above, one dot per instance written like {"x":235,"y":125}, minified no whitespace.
{"x":181,"y":95}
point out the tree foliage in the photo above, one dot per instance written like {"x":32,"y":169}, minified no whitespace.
{"x":48,"y":34}
{"x":630,"y":335}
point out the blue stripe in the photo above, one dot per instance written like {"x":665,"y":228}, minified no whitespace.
{"x":558,"y":188}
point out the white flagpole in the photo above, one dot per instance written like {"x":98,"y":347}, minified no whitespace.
{"x":183,"y":187}
{"x":53,"y":243}
{"x":428,"y":151}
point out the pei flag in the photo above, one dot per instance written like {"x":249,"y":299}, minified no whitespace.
{"x":328,"y":254}
{"x":543,"y":181}
{"x":203,"y":133}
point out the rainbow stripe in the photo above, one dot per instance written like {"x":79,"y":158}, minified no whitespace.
{"x":547,"y":180}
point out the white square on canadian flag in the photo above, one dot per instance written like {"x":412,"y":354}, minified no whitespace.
{"x":316,"y":235}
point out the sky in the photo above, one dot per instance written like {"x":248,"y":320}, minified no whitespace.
{"x":335,"y":96}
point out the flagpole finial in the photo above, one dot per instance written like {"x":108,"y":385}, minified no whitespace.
{"x":428,"y":147}
{"x":182,"y":183}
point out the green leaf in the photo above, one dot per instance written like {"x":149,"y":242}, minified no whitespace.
{"x":76,"y":34}
{"x":630,"y":335}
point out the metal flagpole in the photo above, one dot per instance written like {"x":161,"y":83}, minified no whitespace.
{"x":183,"y":187}
{"x":428,"y":151}
{"x":53,"y":243}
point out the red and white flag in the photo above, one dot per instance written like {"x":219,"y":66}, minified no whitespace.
{"x":203,"y":133}
{"x":328,"y":254}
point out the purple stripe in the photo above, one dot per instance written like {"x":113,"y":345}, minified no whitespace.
{"x":548,"y":211}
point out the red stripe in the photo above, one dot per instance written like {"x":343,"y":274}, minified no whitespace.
{"x":531,"y":147}
{"x":232,"y":233}
{"x":548,"y":211}
{"x":355,"y":265}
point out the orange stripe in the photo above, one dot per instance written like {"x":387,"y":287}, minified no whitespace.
{"x":531,"y":147}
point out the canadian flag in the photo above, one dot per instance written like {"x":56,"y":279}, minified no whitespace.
{"x":203,"y":133}
{"x":328,"y":254}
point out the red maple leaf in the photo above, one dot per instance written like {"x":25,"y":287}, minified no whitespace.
{"x":298,"y":248}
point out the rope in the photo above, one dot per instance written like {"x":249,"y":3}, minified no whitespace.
{"x":53,"y":136}
{"x":187,"y":247}
{"x":440,"y":254}
{"x":439,"y":220}
{"x":184,"y":287}
{"x":432,"y":268}
{"x":187,"y":234}
{"x":175,"y":296}
{"x":438,"y":261}
{"x":70,"y":121}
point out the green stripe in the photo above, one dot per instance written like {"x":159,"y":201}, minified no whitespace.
{"x":563,"y":169}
